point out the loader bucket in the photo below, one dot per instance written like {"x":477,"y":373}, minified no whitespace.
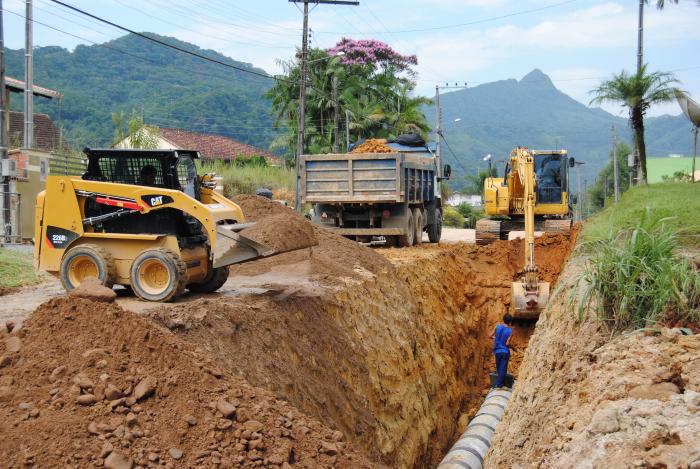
{"x":529,"y":303}
{"x":234,"y":248}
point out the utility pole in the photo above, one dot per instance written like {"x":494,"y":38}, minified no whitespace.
{"x":585,"y":202}
{"x":695,"y":151}
{"x":302,"y":89}
{"x":579,"y":202}
{"x":336,"y":117}
{"x":438,"y":130}
{"x":5,"y":189}
{"x":640,"y":37}
{"x":616,"y":170}
{"x":28,"y":79}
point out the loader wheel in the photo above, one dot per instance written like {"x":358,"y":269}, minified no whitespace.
{"x":406,"y":240}
{"x":87,"y":260}
{"x":418,"y":222}
{"x":218,"y":277}
{"x":158,"y":275}
{"x":435,"y":230}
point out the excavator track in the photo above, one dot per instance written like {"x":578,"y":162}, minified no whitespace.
{"x":487,"y":231}
{"x":558,"y":226}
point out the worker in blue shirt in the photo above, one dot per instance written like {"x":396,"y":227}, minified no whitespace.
{"x":501,"y":341}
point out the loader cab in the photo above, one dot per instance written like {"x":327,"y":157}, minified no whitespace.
{"x":168,"y":169}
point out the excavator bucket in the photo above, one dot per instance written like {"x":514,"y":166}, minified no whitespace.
{"x":234,"y":248}
{"x":529,"y":303}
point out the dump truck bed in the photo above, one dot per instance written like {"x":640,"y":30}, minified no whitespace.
{"x":367,"y":178}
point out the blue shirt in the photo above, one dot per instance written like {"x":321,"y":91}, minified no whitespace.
{"x":501,"y":336}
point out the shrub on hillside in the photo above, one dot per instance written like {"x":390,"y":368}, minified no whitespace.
{"x":634,"y":279}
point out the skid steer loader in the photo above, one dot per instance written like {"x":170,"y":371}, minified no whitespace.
{"x":142,"y":219}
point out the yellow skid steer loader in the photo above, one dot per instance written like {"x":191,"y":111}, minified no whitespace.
{"x":143,"y":219}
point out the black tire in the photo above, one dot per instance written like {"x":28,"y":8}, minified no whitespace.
{"x":418,"y":222}
{"x":87,"y":260}
{"x":435,"y":229}
{"x":216,"y":279}
{"x":148,"y":275}
{"x":391,"y":241}
{"x":406,"y":240}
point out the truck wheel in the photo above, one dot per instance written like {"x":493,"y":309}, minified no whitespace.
{"x":418,"y":221}
{"x":216,"y":279}
{"x":435,"y":230}
{"x":158,"y":275}
{"x":87,"y":260}
{"x":406,"y":240}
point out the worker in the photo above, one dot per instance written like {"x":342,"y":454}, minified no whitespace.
{"x":148,"y":175}
{"x":501,"y":348}
{"x":549,"y":176}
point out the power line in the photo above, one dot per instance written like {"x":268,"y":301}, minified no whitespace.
{"x":459,"y":163}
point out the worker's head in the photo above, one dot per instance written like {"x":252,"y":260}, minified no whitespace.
{"x":148,"y":175}
{"x":507,"y":319}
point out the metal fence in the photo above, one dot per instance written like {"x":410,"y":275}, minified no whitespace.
{"x":10,"y":206}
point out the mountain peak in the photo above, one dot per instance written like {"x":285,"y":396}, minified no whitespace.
{"x":537,"y":76}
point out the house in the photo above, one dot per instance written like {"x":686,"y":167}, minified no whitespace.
{"x":32,"y":165}
{"x":210,"y":147}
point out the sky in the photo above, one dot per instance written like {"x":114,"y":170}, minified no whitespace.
{"x":577,"y":43}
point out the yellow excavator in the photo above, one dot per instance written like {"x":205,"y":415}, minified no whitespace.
{"x":143,"y":219}
{"x":504,"y":198}
{"x":533,"y":191}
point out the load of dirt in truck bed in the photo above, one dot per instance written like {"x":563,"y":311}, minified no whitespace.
{"x":330,"y":261}
{"x":86,"y":384}
{"x":373,"y":145}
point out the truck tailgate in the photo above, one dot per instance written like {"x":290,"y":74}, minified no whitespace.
{"x":362,"y":177}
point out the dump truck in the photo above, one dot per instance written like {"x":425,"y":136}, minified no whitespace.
{"x":504,"y":198}
{"x":143,"y":219}
{"x":391,"y":196}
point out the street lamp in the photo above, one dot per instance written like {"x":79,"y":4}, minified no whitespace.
{"x":488,"y":158}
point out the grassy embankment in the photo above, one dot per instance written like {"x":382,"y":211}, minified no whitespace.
{"x":16,"y":268}
{"x":640,"y":270}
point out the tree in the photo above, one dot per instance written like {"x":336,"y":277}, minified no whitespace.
{"x":599,"y":192}
{"x":139,"y":134}
{"x":475,"y":184}
{"x":373,"y":87}
{"x":637,"y":92}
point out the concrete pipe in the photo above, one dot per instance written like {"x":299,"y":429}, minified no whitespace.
{"x":469,"y":451}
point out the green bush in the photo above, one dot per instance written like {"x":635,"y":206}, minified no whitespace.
{"x":248,"y":178}
{"x":452,"y":217}
{"x":634,"y":280}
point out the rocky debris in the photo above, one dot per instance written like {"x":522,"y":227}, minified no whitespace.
{"x":373,"y":145}
{"x":13,"y":344}
{"x":605,"y":421}
{"x":92,"y":289}
{"x":152,"y":404}
{"x":660,"y":391}
{"x":145,"y":388}
{"x":117,"y":460}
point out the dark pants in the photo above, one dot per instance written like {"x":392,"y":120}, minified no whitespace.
{"x":501,"y":368}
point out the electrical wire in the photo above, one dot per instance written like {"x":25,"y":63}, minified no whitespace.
{"x":459,"y":163}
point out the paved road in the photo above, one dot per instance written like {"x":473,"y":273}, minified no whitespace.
{"x":455,"y":235}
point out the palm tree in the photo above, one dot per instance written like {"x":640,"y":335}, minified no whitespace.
{"x":638,"y":93}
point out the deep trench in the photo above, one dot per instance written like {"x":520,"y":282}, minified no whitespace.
{"x":398,"y":361}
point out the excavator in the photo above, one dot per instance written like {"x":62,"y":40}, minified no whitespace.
{"x":143,"y":219}
{"x":504,"y":198}
{"x":528,"y":197}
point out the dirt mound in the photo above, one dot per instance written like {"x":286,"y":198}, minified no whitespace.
{"x":373,"y":145}
{"x":330,"y":262}
{"x":85,"y":384}
{"x":282,"y":232}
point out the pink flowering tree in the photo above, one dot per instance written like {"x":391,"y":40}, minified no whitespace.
{"x":373,"y":53}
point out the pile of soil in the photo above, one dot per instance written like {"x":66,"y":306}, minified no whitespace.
{"x":282,"y":232}
{"x":86,"y":384}
{"x":332,"y":260}
{"x":373,"y":145}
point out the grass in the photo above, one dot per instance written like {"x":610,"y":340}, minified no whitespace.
{"x":659,"y":167}
{"x":634,"y":279}
{"x":247,"y":179}
{"x":679,"y":203}
{"x":16,"y":268}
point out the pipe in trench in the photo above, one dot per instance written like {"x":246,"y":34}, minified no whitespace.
{"x":469,"y":451}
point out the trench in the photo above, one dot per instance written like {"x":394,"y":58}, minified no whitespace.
{"x":396,"y":359}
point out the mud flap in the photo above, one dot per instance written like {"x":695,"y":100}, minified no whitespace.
{"x":528,"y":304}
{"x":233,"y":248}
